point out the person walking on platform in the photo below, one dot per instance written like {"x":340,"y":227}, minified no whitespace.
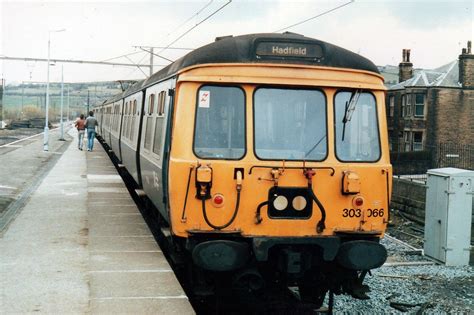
{"x":81,"y":126}
{"x":91,"y":123}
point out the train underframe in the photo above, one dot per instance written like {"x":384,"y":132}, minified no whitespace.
{"x":255,"y":267}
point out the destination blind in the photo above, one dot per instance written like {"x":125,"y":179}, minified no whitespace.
{"x":276,"y":49}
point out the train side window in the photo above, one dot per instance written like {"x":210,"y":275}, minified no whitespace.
{"x":161,"y":103}
{"x":151,"y":104}
{"x":130,"y":118}
{"x":148,"y":132}
{"x":132,"y":128}
{"x":158,"y":134}
{"x":125,"y":120}
{"x":220,"y":123}
{"x":115,"y":117}
{"x":357,"y":133}
{"x":159,"y":121}
{"x":118,"y":118}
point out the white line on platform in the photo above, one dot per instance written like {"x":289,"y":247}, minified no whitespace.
{"x":117,"y":198}
{"x":108,"y":205}
{"x":124,"y":251}
{"x":123,"y":236}
{"x":107,"y":190}
{"x":13,"y":146}
{"x":98,"y":176}
{"x":9,"y":144}
{"x":132,"y":271}
{"x":103,"y":214}
{"x":143,"y":297}
{"x":6,"y":187}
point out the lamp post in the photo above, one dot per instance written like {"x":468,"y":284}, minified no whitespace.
{"x":61,"y":138}
{"x":67,"y":120}
{"x":46,"y":128}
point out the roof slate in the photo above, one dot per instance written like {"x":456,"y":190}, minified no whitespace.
{"x":444,"y":76}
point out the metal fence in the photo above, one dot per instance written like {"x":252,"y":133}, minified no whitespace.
{"x":454,"y":155}
{"x":416,"y":178}
{"x":415,"y":164}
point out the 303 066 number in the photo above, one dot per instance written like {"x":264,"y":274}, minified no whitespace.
{"x":351,"y":213}
{"x":375,"y":213}
{"x":357,"y":213}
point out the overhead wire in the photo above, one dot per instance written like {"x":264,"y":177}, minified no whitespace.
{"x":135,"y":69}
{"x":314,"y":17}
{"x":174,"y":41}
{"x":196,"y":25}
{"x":175,"y":48}
{"x":191,"y":17}
{"x":159,"y":56}
{"x":137,"y":65}
{"x":129,"y":54}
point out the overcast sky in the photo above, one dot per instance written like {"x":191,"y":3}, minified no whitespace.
{"x":435,"y":31}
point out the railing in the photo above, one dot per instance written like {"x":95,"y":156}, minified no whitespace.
{"x":416,"y":178}
{"x":415,"y":164}
{"x":454,"y":155}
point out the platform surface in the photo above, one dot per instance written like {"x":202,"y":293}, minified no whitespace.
{"x":80,"y":246}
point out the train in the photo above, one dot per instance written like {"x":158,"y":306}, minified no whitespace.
{"x":266,"y":158}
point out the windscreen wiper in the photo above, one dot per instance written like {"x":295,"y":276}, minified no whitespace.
{"x":349,"y":110}
{"x":315,"y":146}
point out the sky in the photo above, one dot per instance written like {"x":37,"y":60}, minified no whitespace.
{"x":435,"y":31}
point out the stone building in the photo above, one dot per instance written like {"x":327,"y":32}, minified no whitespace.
{"x":432,"y":107}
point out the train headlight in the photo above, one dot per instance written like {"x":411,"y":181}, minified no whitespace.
{"x":280,"y":203}
{"x":299,"y":203}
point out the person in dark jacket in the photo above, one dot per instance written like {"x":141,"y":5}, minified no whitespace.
{"x":91,"y":123}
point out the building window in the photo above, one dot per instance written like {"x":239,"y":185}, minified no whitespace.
{"x":408,"y":106}
{"x":407,"y":138}
{"x":402,"y":111}
{"x":400,"y":144}
{"x":419,"y":105}
{"x":417,"y":141}
{"x":391,"y":105}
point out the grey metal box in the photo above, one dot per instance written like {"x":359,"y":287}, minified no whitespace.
{"x":448,"y":215}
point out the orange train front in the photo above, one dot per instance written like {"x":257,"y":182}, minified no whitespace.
{"x":274,"y":164}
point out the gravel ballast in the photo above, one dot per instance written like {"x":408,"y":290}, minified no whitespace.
{"x":413,"y":289}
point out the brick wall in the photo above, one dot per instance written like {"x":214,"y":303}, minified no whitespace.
{"x":450,"y":116}
{"x":405,"y":71}
{"x":466,"y":71}
{"x":410,"y":197}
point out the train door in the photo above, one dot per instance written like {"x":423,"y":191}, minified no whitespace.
{"x":155,"y":127}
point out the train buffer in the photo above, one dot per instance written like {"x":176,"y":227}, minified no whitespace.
{"x":80,"y":245}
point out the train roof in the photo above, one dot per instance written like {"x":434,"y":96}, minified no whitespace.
{"x":287,"y":48}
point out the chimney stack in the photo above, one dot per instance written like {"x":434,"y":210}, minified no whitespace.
{"x":405,"y":68}
{"x":466,"y":67}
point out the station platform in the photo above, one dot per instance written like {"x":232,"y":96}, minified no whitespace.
{"x":79,"y":245}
